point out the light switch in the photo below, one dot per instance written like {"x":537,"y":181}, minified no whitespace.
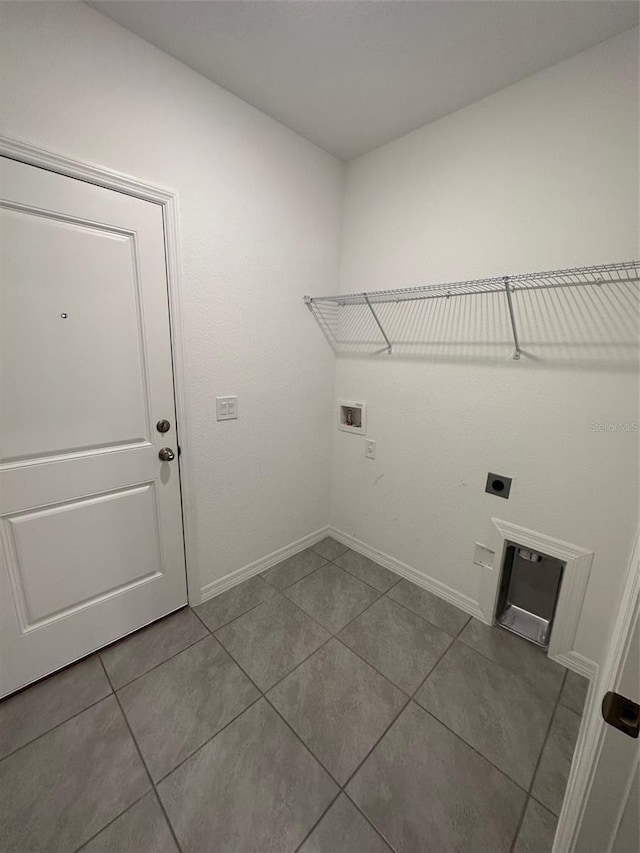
{"x":226,"y":408}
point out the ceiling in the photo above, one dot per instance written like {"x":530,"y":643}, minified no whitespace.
{"x":352,"y":74}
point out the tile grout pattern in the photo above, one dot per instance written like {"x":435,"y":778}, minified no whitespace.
{"x":409,"y":696}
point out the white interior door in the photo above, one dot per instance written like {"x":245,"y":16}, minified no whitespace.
{"x":90,"y":517}
{"x":609,"y":814}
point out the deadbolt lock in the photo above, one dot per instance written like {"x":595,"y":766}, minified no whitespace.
{"x":163,"y":426}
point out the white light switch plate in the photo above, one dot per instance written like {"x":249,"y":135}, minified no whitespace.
{"x":370,"y":448}
{"x":226,"y":408}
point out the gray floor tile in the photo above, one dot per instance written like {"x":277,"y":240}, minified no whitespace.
{"x":426,"y":790}
{"x":329,"y":548}
{"x":344,"y":830}
{"x":333,"y":597}
{"x":176,"y":707}
{"x":252,"y":788}
{"x":154,"y":644}
{"x":362,"y":567}
{"x":553,"y":772}
{"x":141,"y":829}
{"x":537,"y":831}
{"x":338,"y":705}
{"x":60,"y":790}
{"x":574,"y":692}
{"x":440,"y":613}
{"x":496,"y":712}
{"x":270,"y":640}
{"x":293,"y":569}
{"x":398,"y":643}
{"x":234,"y":602}
{"x":515,"y":654}
{"x":37,"y":709}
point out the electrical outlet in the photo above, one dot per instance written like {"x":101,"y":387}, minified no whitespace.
{"x":370,"y":449}
{"x":483,"y":556}
{"x":226,"y":408}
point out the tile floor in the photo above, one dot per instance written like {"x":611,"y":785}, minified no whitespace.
{"x":326,"y":706}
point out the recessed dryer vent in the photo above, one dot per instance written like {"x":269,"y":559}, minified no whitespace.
{"x":352,"y":417}
{"x":529,"y":590}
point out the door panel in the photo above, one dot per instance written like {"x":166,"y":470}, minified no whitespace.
{"x":90,"y":518}
{"x":79,"y":536}
{"x":95,"y":302}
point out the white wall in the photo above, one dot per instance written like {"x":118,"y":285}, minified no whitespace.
{"x":259,"y":215}
{"x":541,"y":175}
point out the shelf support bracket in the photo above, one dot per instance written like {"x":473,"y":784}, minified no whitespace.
{"x":379,"y":324}
{"x":512,"y":317}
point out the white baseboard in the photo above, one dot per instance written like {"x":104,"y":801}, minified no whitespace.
{"x":577,"y":663}
{"x":464,"y":602}
{"x":233,"y":578}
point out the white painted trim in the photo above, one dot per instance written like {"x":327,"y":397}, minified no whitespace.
{"x":239,"y":575}
{"x":103,"y":177}
{"x":572,"y":590}
{"x":593,"y":729}
{"x":578,"y":663}
{"x":447,"y":593}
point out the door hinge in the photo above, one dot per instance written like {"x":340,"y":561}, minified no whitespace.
{"x":621,"y":713}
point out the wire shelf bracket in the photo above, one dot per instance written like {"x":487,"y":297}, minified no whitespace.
{"x":622,"y":272}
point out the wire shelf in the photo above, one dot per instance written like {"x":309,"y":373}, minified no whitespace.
{"x":613,"y":273}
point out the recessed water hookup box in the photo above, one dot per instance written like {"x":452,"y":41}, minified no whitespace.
{"x":352,"y":417}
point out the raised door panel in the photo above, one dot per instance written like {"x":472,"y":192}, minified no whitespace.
{"x":67,"y":557}
{"x":73,"y":375}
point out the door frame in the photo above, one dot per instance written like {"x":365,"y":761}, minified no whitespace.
{"x":593,"y":729}
{"x":101,"y":176}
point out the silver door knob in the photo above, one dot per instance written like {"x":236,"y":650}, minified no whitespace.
{"x":167,"y":454}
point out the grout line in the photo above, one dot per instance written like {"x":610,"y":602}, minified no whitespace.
{"x":297,"y":580}
{"x":317,"y":822}
{"x":519,"y":825}
{"x":240,"y":615}
{"x":428,"y":621}
{"x":364,"y":660}
{"x":391,"y":723}
{"x":546,"y":808}
{"x":57,"y":726}
{"x":297,"y":666}
{"x":304,"y":744}
{"x":155,"y":666}
{"x":144,"y":763}
{"x":546,"y":737}
{"x":421,"y":685}
{"x":207,"y":741}
{"x":342,"y":787}
{"x":113,"y":820}
{"x":513,"y":672}
{"x":471,"y":747}
{"x":370,"y":822}
{"x":442,"y":656}
{"x":331,"y":559}
{"x":383,"y":592}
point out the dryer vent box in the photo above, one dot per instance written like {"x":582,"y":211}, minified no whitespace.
{"x":352,"y":417}
{"x":528,"y":595}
